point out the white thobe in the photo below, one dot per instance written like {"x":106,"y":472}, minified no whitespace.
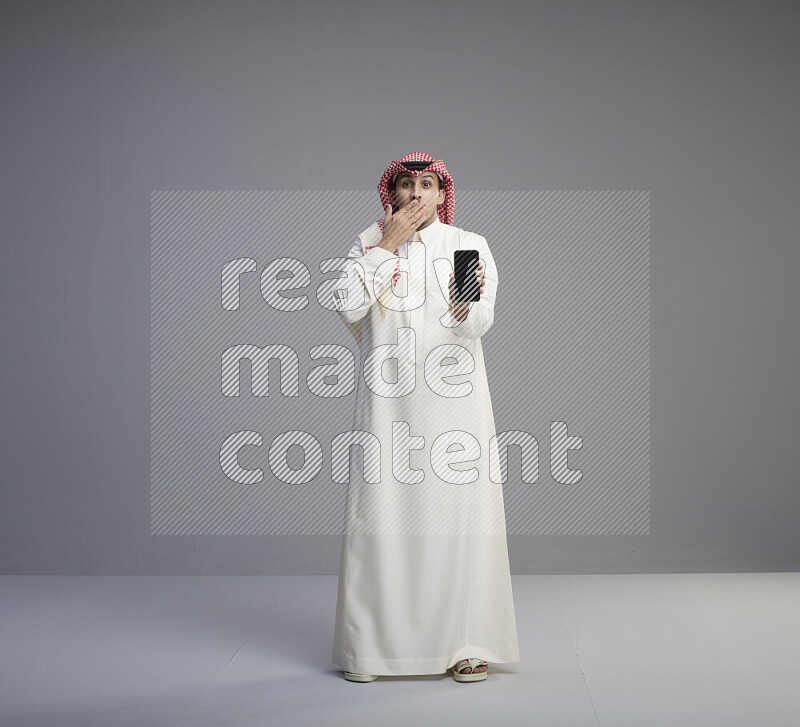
{"x":424,"y":577}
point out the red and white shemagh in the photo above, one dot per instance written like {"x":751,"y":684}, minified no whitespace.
{"x":415,"y":164}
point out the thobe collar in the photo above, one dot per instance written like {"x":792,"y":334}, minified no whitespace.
{"x":430,"y":233}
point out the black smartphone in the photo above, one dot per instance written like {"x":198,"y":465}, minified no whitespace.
{"x":465,"y":263}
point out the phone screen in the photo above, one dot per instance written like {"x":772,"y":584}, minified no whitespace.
{"x":465,"y":263}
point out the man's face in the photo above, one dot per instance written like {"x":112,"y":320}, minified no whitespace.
{"x":425,"y":188}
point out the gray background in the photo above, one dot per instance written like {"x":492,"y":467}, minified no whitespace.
{"x":104,"y":102}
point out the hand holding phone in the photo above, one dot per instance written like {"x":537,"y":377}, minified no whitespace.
{"x":467,"y":283}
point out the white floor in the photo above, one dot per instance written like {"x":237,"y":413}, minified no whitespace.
{"x":639,"y":650}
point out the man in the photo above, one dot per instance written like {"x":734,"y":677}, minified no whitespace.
{"x":424,"y":578}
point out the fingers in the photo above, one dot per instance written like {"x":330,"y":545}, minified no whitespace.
{"x":478,"y":275}
{"x":414,"y":211}
{"x":407,"y":218}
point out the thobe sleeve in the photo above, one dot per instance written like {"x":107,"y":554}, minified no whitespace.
{"x":481,"y":312}
{"x":366,"y":276}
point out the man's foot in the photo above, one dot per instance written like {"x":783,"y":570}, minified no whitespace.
{"x":468,"y":669}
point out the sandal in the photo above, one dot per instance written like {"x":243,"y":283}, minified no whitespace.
{"x":473,"y":676}
{"x":353,"y":676}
